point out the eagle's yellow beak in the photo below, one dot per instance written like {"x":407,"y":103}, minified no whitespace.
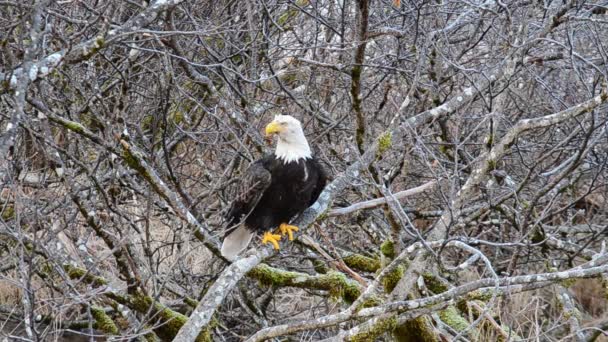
{"x":273,"y":128}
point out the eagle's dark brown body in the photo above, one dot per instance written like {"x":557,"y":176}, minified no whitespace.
{"x":273,"y":192}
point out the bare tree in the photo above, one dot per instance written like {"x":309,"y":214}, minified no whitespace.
{"x":466,"y":142}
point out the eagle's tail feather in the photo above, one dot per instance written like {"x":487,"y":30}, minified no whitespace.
{"x":236,"y":242}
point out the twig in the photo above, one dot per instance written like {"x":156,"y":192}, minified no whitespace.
{"x":338,"y":262}
{"x":86,"y":49}
{"x":380,"y":201}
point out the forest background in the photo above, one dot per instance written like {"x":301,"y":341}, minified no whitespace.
{"x":466,"y":143}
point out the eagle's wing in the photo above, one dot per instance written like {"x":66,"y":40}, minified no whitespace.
{"x":319,"y":184}
{"x":249,"y":191}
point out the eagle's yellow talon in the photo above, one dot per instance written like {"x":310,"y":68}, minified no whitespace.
{"x":288,"y":229}
{"x":272,"y":238}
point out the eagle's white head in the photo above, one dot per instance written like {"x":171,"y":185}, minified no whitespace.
{"x":292,"y":144}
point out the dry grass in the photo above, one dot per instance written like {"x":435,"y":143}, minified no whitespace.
{"x":10,"y":293}
{"x":592,"y":297}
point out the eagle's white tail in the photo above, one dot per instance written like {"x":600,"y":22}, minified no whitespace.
{"x":236,"y":242}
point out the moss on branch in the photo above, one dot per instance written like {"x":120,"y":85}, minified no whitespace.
{"x":8,"y":213}
{"x":434,"y":284}
{"x":453,"y":319}
{"x":417,"y":329}
{"x":362,"y":263}
{"x":385,"y":142}
{"x":173,"y":320}
{"x":336,"y":283}
{"x":86,"y":276}
{"x":388,"y":249}
{"x":170,"y":321}
{"x":391,"y":280}
{"x":103,"y":322}
{"x":383,"y":326}
{"x":450,"y":316}
{"x":134,"y":161}
{"x":320,"y":266}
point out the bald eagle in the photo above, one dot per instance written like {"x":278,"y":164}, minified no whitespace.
{"x":274,"y":189}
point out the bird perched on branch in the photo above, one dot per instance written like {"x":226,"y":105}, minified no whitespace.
{"x":274,"y":189}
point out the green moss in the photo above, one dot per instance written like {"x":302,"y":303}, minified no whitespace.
{"x":74,"y":126}
{"x":392,"y":278}
{"x":98,"y":45}
{"x":8,"y":213}
{"x":103,"y":321}
{"x":191,"y":302}
{"x":482,"y":296}
{"x":569,"y":313}
{"x":415,"y":330}
{"x":146,"y":122}
{"x":134,"y":163}
{"x":320,"y":266}
{"x":218,"y":43}
{"x":81,"y":325}
{"x":322,"y":216}
{"x":362,"y":263}
{"x":150,"y":337}
{"x":79,"y":273}
{"x":100,"y":42}
{"x":356,"y":72}
{"x":177,"y":117}
{"x":340,"y":286}
{"x":133,"y":158}
{"x":452,"y":317}
{"x":371,"y":301}
{"x":381,"y":327}
{"x":289,"y":78}
{"x":91,"y":121}
{"x":204,"y":336}
{"x":491,"y":164}
{"x":269,"y":276}
{"x":512,"y":334}
{"x":388,"y":249}
{"x":538,"y":236}
{"x":286,"y":17}
{"x":336,"y":283}
{"x":236,"y":59}
{"x":385,"y":142}
{"x":171,"y":320}
{"x":568,"y":282}
{"x":434,"y":284}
